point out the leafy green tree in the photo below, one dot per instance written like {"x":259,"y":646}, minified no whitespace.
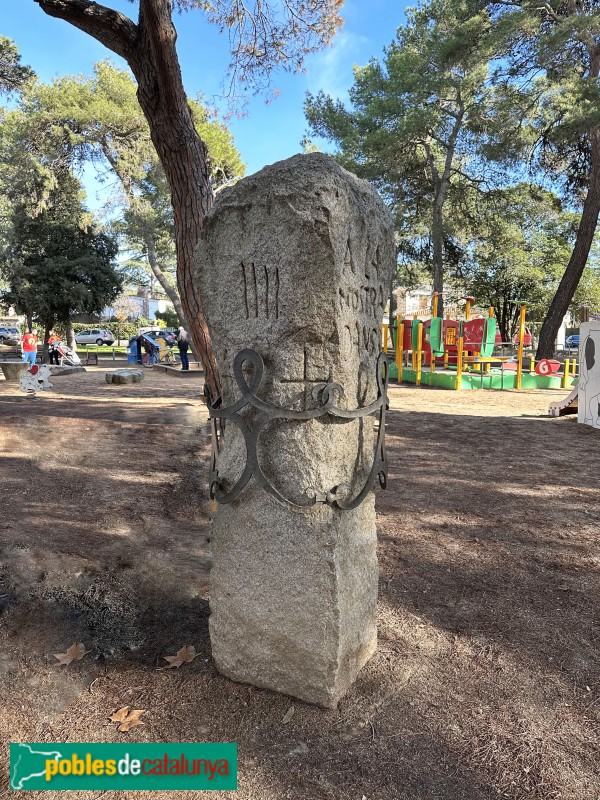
{"x":418,"y":121}
{"x":100,"y":120}
{"x":13,"y":74}
{"x":168,"y":317}
{"x":524,"y":238}
{"x":555,"y":47}
{"x":263,"y":37}
{"x":57,"y":264}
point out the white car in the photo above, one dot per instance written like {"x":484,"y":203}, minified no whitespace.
{"x":94,"y":336}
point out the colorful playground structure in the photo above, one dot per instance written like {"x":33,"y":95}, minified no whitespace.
{"x":461,"y":354}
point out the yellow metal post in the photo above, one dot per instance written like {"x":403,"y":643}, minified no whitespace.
{"x":521,"y":345}
{"x":386,"y":335}
{"x":566,"y":370}
{"x":419,"y":353}
{"x":434,"y":313}
{"x":532,"y":364}
{"x":468,"y":309}
{"x":399,"y":349}
{"x":459,"y":362}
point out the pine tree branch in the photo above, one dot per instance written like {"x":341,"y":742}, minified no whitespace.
{"x":113,"y":29}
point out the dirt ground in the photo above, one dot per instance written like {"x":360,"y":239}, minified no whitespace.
{"x":486,"y":680}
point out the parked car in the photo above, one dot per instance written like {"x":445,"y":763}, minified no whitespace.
{"x":95,"y":336}
{"x":572,"y":341}
{"x":168,"y":334}
{"x":9,"y":336}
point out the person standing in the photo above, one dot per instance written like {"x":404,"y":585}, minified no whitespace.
{"x":53,"y":341}
{"x":183,"y":343}
{"x":29,"y":345}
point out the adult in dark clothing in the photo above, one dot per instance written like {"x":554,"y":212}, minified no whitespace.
{"x":53,"y":340}
{"x":183,"y":343}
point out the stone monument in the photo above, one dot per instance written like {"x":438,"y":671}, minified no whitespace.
{"x":294,"y":268}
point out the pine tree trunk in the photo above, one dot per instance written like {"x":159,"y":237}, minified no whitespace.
{"x":149,"y":49}
{"x":572,"y":275}
{"x":166,"y":284}
{"x":184,"y":159}
{"x":437,"y":237}
{"x":45,"y":347}
{"x":160,"y":276}
{"x":70,"y":333}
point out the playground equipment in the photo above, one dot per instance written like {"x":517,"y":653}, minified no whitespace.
{"x":35,"y":379}
{"x":463,"y":354}
{"x":570,"y":405}
{"x":584,"y":400}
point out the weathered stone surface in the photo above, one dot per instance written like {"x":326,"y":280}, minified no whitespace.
{"x":295,"y":263}
{"x":124,"y":376}
{"x":13,"y":370}
{"x":56,"y":370}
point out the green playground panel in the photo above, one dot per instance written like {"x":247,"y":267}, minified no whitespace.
{"x":489,"y":337}
{"x":414,"y":334}
{"x":491,"y":380}
{"x":435,"y":336}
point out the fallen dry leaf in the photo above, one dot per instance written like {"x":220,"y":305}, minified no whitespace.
{"x":184,"y":656}
{"x":288,"y":716}
{"x":132,"y":719}
{"x":120,"y":715}
{"x":74,"y":653}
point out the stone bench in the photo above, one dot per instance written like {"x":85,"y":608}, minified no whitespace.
{"x":122,"y":376}
{"x":56,"y":370}
{"x":13,"y":370}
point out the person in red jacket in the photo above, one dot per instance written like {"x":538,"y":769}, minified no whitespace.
{"x":29,"y":345}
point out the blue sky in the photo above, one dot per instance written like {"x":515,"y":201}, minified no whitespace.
{"x":267,"y":132}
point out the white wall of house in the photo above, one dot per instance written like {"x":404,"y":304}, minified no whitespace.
{"x":141,"y":307}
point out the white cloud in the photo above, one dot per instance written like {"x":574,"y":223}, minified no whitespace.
{"x":331,"y":69}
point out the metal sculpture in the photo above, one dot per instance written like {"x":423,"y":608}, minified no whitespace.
{"x":326,"y":394}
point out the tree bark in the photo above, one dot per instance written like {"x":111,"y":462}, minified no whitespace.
{"x":70,"y":333}
{"x":149,"y":49}
{"x":184,"y":159}
{"x":574,"y":270}
{"x":45,"y":347}
{"x":437,"y":238}
{"x":166,"y":284}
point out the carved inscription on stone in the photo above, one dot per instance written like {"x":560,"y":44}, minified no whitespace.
{"x":361,"y":301}
{"x":261,"y":290}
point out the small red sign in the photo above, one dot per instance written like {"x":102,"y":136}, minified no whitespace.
{"x":547,"y":366}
